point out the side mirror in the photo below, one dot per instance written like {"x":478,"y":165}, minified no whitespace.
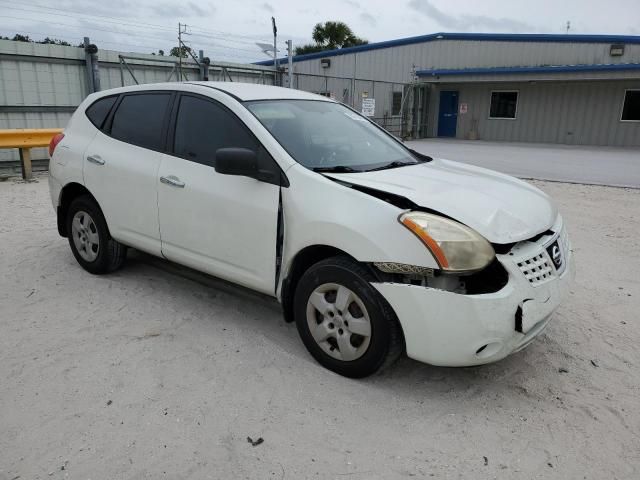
{"x":237,"y":161}
{"x":243,"y":162}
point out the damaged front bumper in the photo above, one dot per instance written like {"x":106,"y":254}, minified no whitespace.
{"x":451,"y":329}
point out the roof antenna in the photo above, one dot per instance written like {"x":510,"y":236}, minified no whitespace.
{"x":568,"y":26}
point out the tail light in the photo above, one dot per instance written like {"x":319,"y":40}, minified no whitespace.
{"x":54,"y":143}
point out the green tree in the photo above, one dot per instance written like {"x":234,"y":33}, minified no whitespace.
{"x":182,"y":51}
{"x":55,"y":41}
{"x":21,"y":38}
{"x":330,"y":36}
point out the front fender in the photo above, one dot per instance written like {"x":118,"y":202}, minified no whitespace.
{"x":319,"y":211}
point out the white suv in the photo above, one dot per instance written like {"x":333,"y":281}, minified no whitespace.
{"x":371,"y":248}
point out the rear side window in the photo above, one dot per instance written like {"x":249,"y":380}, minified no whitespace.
{"x":139,"y":119}
{"x":98,"y":110}
{"x":202,"y":127}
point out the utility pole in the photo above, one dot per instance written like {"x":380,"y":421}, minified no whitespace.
{"x":290,"y":59}
{"x":180,"y":32}
{"x":275,"y":49}
{"x":91,"y":60}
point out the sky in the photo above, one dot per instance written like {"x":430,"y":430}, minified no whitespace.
{"x":227,"y":30}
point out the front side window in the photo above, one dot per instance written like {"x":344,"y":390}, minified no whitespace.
{"x":98,"y":110}
{"x":503,"y":105}
{"x":326,"y":135}
{"x":631,"y":107}
{"x":139,"y":120}
{"x":203,"y":127}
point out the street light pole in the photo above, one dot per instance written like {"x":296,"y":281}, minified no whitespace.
{"x":275,"y":49}
{"x":290,"y":59}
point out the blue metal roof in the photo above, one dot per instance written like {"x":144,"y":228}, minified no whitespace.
{"x":496,"y":37}
{"x":518,"y":70}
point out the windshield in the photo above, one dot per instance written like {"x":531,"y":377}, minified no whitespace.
{"x":327,"y":136}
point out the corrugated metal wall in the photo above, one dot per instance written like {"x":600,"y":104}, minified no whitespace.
{"x":570,"y":108}
{"x":395,"y":64}
{"x":581,"y":113}
{"x":41,"y":85}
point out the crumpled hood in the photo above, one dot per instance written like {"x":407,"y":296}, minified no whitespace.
{"x":501,"y":208}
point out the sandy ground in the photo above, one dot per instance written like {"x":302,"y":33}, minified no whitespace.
{"x":566,"y":163}
{"x":149,"y":374}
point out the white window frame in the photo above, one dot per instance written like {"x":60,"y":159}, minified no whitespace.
{"x":401,"y":100}
{"x":624,"y":97}
{"x":517,"y":92}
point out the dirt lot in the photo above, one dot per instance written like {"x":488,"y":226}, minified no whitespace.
{"x":150,"y":374}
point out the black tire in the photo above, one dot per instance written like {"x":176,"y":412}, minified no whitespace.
{"x":110,"y":253}
{"x":386,"y":342}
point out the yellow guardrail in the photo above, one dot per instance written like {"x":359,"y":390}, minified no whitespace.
{"x":25,"y":139}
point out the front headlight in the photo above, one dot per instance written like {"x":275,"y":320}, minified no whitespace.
{"x":456,"y":247}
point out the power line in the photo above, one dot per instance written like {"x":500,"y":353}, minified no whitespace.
{"x":212,"y":50}
{"x":217,"y":34}
{"x":56,"y":9}
{"x":120,"y":32}
{"x":99,"y":40}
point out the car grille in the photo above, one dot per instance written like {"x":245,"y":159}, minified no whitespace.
{"x":540,"y":267}
{"x":536,"y":269}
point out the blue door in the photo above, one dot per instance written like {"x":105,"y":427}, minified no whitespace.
{"x":448,"y":116}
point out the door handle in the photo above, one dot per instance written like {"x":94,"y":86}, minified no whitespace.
{"x":173,"y":181}
{"x":95,"y":159}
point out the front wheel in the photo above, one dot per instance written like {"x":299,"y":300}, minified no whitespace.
{"x":344,"y":322}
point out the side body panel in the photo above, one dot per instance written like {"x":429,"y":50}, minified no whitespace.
{"x":67,"y":161}
{"x":320,"y":211}
{"x":125,"y":187}
{"x":221,"y":224}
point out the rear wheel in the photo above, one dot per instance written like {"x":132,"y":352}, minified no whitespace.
{"x":343,"y":321}
{"x":89,"y":238}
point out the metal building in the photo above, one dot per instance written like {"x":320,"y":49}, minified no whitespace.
{"x":570,"y":89}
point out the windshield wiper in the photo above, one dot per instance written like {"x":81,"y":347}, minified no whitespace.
{"x":421,"y":156}
{"x":336,"y":169}
{"x":394,"y":164}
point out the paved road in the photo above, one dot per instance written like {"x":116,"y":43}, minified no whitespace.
{"x":618,"y":167}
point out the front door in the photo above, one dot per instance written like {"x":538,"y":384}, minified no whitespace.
{"x":224,"y":225}
{"x":448,"y":116}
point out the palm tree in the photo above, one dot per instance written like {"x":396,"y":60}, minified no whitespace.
{"x":329,"y":36}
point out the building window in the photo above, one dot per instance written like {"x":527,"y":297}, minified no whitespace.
{"x":503,"y":104}
{"x":631,"y":106}
{"x":396,"y":103}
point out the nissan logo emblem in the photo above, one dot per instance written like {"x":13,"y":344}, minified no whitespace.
{"x":556,"y":256}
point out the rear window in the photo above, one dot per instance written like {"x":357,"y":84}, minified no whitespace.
{"x":98,"y":110}
{"x":139,"y":119}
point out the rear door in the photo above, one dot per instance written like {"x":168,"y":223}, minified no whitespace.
{"x":222,"y":224}
{"x":121,"y":167}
